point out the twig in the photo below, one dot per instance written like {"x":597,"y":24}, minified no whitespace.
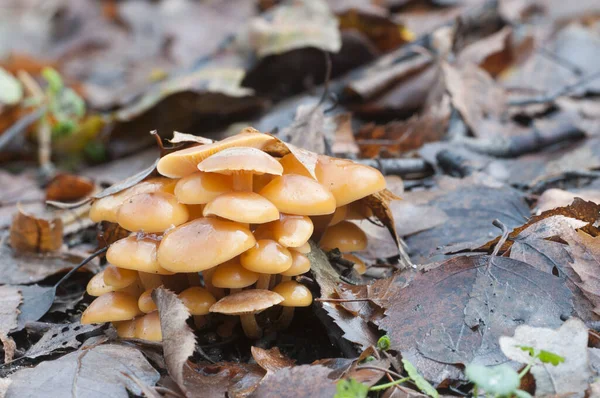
{"x":542,"y":99}
{"x":503,"y":238}
{"x":21,"y":125}
{"x":81,"y":264}
{"x":402,"y":167}
{"x":328,"y":300}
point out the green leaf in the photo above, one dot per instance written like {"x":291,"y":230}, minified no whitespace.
{"x":522,"y":394}
{"x":384,"y":343}
{"x":370,"y":358}
{"x":530,"y":350}
{"x":72,"y":102}
{"x":11,"y":90}
{"x":64,"y":128}
{"x":351,"y":389}
{"x":498,"y":380}
{"x":550,"y":357}
{"x":419,"y":381}
{"x":95,"y":151}
{"x":55,"y":82}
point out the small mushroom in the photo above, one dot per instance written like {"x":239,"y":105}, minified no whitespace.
{"x":266,"y":257}
{"x":241,"y":163}
{"x":148,"y":327}
{"x":304,"y":249}
{"x":294,"y":295}
{"x":359,"y":265}
{"x":345,"y":236}
{"x":136,"y":254}
{"x":300,"y":265}
{"x":146,"y":303}
{"x":152,"y":212}
{"x":291,"y":165}
{"x":119,"y":278}
{"x":111,"y":307}
{"x":348,"y":181}
{"x":358,"y":211}
{"x":150,"y":281}
{"x":231,"y":275}
{"x":202,"y":244}
{"x":96,"y":286}
{"x":200,"y":188}
{"x":291,"y":230}
{"x":184,"y":162}
{"x":125,"y":329}
{"x":296,"y":194}
{"x":198,"y":301}
{"x":243,"y":207}
{"x":106,"y":208}
{"x":246,"y":304}
{"x":339,"y":215}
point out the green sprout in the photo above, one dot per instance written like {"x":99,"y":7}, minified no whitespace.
{"x":384,"y":343}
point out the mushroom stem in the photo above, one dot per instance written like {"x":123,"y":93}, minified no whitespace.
{"x":212,"y":289}
{"x":251,"y":328}
{"x":200,"y":321}
{"x":232,"y":291}
{"x":225,"y":330}
{"x":194,"y":279}
{"x":285,"y":278}
{"x":263,"y":281}
{"x":286,"y":317}
{"x":242,"y":181}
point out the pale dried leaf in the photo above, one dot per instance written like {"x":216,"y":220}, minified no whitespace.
{"x":60,"y":337}
{"x":183,"y":137}
{"x":10,"y":298}
{"x":271,"y":360}
{"x":299,"y":381}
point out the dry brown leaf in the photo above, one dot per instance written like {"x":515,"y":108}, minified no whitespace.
{"x":69,"y":188}
{"x":484,"y":52}
{"x":225,"y":379}
{"x":586,"y":263}
{"x":299,"y":381}
{"x":36,"y":233}
{"x":554,"y":197}
{"x":178,"y":341}
{"x":10,"y":299}
{"x":271,"y":360}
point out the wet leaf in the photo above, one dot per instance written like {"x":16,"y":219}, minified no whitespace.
{"x":499,"y":380}
{"x":98,"y":371}
{"x":60,"y":337}
{"x":179,"y":341}
{"x":36,"y":232}
{"x":271,"y":360}
{"x":569,"y":341}
{"x":69,"y":188}
{"x":10,"y":299}
{"x":454,"y":314}
{"x":298,"y":381}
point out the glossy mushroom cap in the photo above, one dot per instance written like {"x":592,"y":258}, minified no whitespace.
{"x":147,"y":327}
{"x":346,"y":236}
{"x":359,"y":265}
{"x":111,"y":307}
{"x":304,"y":249}
{"x":243,"y":207}
{"x":291,"y":230}
{"x":96,"y":286}
{"x":125,"y":329}
{"x":291,"y":165}
{"x":233,"y":160}
{"x":152,"y":212}
{"x":339,"y":215}
{"x":246,"y":302}
{"x":136,"y":254}
{"x":146,"y":303}
{"x":300,"y":264}
{"x":202,"y":244}
{"x":184,"y":162}
{"x":105,"y":209}
{"x":296,"y":194}
{"x":119,"y":278}
{"x":200,"y":188}
{"x":358,"y":211}
{"x":267,"y":257}
{"x":197,"y":300}
{"x":231,"y":275}
{"x":348,"y":181}
{"x":294,"y":294}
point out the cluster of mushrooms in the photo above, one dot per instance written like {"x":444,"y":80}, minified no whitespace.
{"x":227,"y":228}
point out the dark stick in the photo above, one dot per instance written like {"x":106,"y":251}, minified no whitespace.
{"x":84,"y":262}
{"x":403,"y":167}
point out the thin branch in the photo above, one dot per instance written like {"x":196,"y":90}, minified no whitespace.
{"x":21,"y":125}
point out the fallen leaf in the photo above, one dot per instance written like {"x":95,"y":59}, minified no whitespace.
{"x":411,"y":218}
{"x":298,"y":381}
{"x":225,"y":379}
{"x":309,"y":130}
{"x":36,"y":232}
{"x":183,"y":137}
{"x":37,"y":300}
{"x":60,"y":337}
{"x":271,"y":360}
{"x":69,"y":188}
{"x":10,"y":298}
{"x":344,"y":143}
{"x":178,"y":339}
{"x":454,"y":314}
{"x":94,"y":372}
{"x":554,"y":197}
{"x":568,"y":341}
{"x":482,"y":51}
{"x":127,"y":182}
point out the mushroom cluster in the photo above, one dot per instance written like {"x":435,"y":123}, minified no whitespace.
{"x":239,"y":216}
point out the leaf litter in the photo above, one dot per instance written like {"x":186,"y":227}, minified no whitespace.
{"x":487,"y":130}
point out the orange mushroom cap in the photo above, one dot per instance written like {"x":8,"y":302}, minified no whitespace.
{"x":267,"y":257}
{"x":148,"y":327}
{"x":200,"y":188}
{"x":291,"y":165}
{"x":243,"y":207}
{"x":96,"y":286}
{"x":146,"y":303}
{"x":348,"y":181}
{"x":339,"y":215}
{"x":119,"y":278}
{"x":346,"y":236}
{"x":296,"y":194}
{"x":359,"y":265}
{"x":304,"y":249}
{"x":250,"y":301}
{"x":125,"y":329}
{"x":152,"y":212}
{"x":111,"y":307}
{"x":136,"y":254}
{"x":105,"y":209}
{"x":197,"y":300}
{"x":231,"y":275}
{"x":202,"y":244}
{"x":294,"y":294}
{"x":241,"y":159}
{"x":291,"y":230}
{"x":184,"y":162}
{"x":300,"y":264}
